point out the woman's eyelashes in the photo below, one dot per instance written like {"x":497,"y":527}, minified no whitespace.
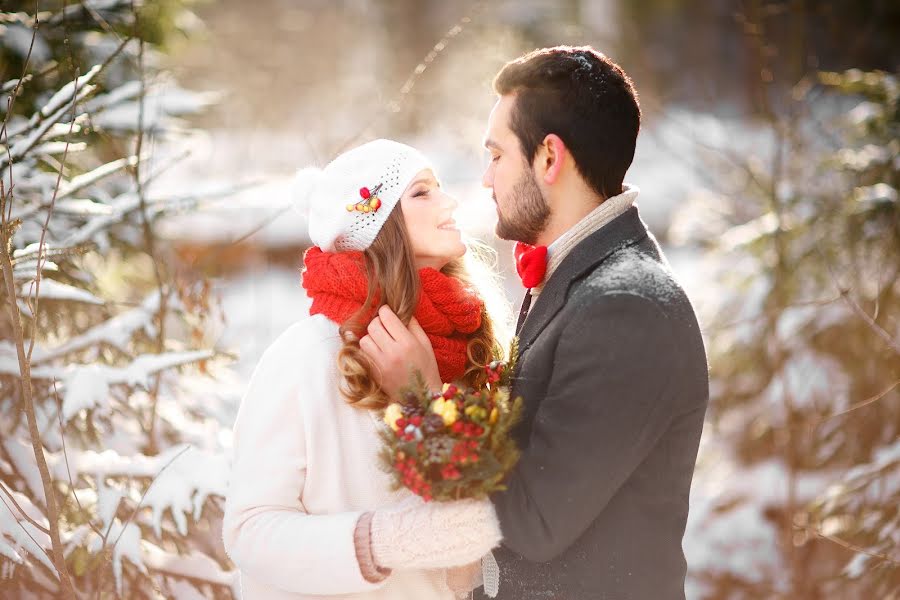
{"x":425,"y":190}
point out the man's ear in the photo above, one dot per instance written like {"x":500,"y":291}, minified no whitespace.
{"x":549,"y":159}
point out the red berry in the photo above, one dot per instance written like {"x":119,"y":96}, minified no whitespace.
{"x":416,"y":420}
{"x":364,"y":192}
{"x":457,"y":427}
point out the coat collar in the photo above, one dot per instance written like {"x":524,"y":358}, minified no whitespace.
{"x":625,"y":230}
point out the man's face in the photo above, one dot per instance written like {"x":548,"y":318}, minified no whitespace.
{"x":522,"y":211}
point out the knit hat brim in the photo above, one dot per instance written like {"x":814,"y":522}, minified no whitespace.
{"x":333,"y":226}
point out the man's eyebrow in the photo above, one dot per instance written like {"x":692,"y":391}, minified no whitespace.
{"x":489,"y":143}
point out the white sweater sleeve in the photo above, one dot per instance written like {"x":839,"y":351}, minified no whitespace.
{"x":266,"y":531}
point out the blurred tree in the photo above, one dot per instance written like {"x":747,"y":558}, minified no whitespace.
{"x":111,"y":466}
{"x":806,"y":374}
{"x":73,"y":36}
{"x":696,"y":53}
{"x":805,"y":359}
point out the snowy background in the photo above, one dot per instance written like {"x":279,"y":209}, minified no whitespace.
{"x":242,"y":97}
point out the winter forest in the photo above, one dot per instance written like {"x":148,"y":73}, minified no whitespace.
{"x":150,"y":254}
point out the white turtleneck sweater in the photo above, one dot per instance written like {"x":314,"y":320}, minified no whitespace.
{"x":607,"y":211}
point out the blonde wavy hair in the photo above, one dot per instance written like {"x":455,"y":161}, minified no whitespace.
{"x":393,"y":279}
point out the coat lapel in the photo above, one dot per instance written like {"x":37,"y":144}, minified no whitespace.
{"x":624,"y":230}
{"x":523,"y":311}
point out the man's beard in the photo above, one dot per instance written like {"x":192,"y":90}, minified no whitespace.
{"x":528,"y":212}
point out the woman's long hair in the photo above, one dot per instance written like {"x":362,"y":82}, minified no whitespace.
{"x":393,"y":279}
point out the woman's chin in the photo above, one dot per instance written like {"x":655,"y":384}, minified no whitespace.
{"x":438,"y":259}
{"x":455,"y":251}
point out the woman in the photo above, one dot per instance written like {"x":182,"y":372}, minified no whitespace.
{"x":309,"y":512}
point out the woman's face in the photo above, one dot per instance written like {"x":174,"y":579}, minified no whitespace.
{"x":428,"y":215}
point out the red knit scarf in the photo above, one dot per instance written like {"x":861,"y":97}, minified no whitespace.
{"x":447,"y":310}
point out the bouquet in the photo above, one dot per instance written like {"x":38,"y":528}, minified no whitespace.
{"x":455,"y":443}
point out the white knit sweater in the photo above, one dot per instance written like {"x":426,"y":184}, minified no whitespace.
{"x":305,"y":468}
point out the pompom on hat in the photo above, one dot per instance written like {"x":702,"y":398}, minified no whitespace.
{"x":348,"y":202}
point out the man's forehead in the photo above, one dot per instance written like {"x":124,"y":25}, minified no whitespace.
{"x":497,"y":128}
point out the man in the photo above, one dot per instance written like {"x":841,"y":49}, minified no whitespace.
{"x":611,"y":364}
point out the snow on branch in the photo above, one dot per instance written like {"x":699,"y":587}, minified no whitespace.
{"x":55,"y":290}
{"x":116,"y":332}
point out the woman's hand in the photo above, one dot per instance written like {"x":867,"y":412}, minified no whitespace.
{"x":415,"y":534}
{"x":397,"y":351}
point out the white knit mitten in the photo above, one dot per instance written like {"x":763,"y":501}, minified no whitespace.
{"x":415,"y":534}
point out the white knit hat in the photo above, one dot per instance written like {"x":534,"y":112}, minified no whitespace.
{"x":348,"y":201}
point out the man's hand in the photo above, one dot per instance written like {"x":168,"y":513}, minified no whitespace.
{"x":462,"y":580}
{"x":397,"y":351}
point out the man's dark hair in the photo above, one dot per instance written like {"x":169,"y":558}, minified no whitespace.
{"x":583,"y":97}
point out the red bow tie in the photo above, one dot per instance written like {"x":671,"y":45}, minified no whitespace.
{"x":531,"y":264}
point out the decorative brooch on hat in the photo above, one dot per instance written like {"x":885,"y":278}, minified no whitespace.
{"x":370,"y":201}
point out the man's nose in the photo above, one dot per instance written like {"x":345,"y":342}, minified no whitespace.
{"x":487,"y":179}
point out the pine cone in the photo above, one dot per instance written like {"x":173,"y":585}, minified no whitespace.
{"x":433,"y":424}
{"x":409,"y":411}
{"x":410,"y":398}
{"x":438,"y":449}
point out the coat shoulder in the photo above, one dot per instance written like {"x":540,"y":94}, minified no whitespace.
{"x":635,"y":271}
{"x":310,"y":333}
{"x":302,"y":350}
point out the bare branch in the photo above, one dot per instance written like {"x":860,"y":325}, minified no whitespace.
{"x":396,"y":105}
{"x":62,"y":437}
{"x":27,"y":518}
{"x":53,"y":516}
{"x":23,"y":513}
{"x":853,"y":407}
{"x":35,"y":302}
{"x":149,"y":238}
{"x":884,"y":335}
{"x":852,"y":547}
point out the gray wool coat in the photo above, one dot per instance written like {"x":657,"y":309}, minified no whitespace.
{"x":614,"y":376}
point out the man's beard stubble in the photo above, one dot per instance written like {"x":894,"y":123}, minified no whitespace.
{"x":528,"y":214}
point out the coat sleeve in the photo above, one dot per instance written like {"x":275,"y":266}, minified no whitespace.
{"x":266,"y":531}
{"x":603,"y":413}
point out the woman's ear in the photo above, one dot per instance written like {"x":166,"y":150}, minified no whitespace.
{"x":550,"y":158}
